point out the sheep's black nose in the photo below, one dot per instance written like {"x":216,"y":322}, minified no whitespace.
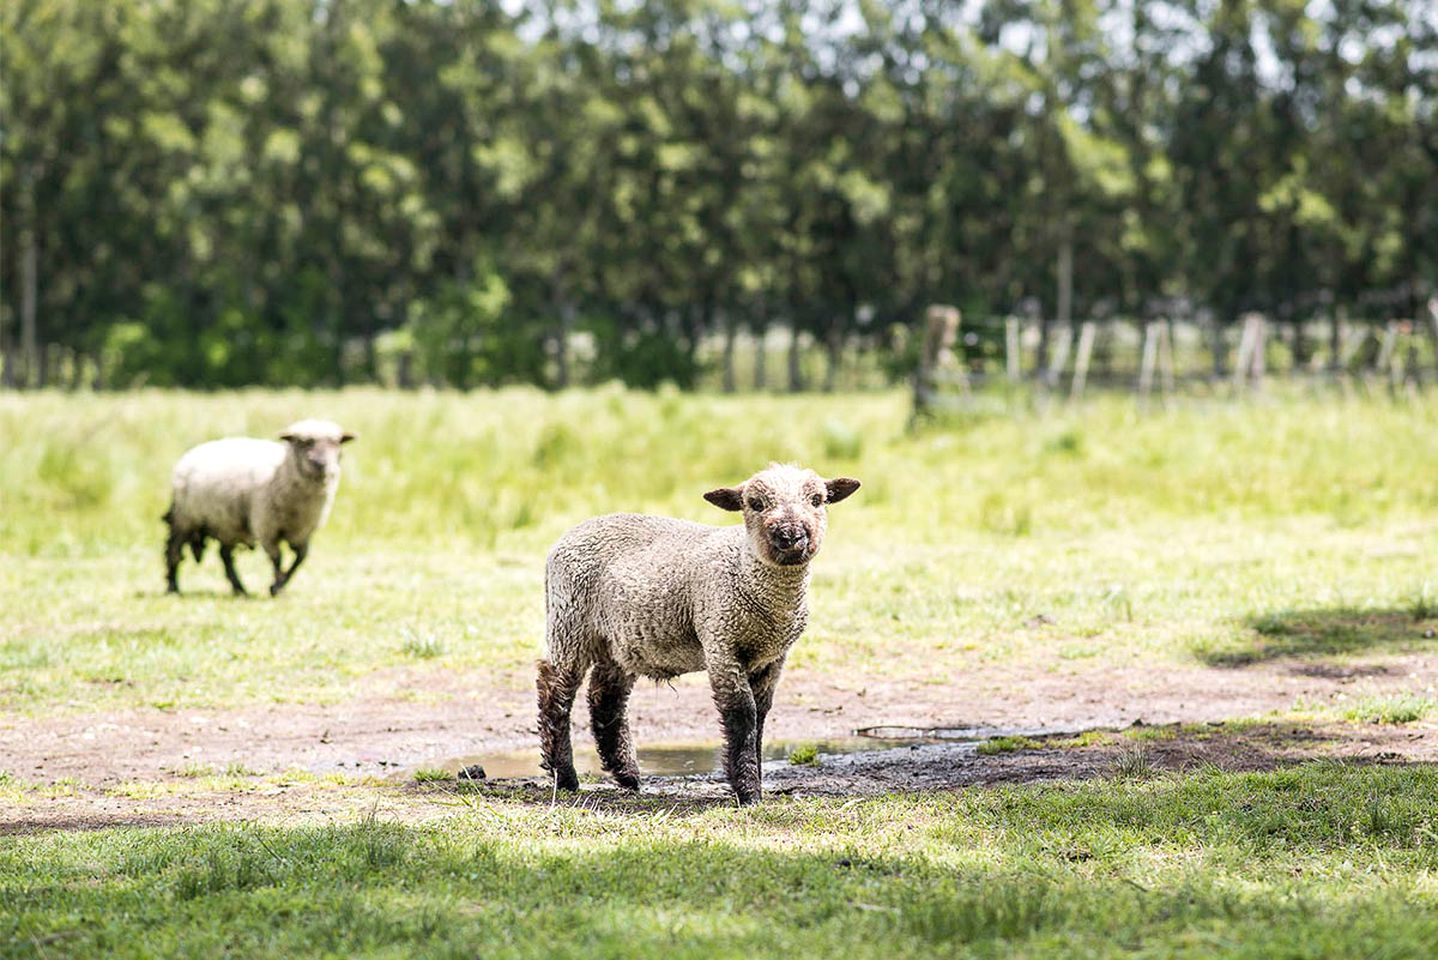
{"x":787,"y":538}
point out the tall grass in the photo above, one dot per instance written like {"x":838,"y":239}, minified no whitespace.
{"x":81,"y":473}
{"x":1226,"y":532}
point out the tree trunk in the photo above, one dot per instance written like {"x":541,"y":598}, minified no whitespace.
{"x":49,"y":364}
{"x":761,"y":359}
{"x":371,"y":357}
{"x":561,"y":342}
{"x":79,"y":363}
{"x":796,"y":375}
{"x":1219,"y":348}
{"x":29,"y":295}
{"x":337,"y":348}
{"x":1064,"y":306}
{"x":1335,"y":339}
{"x":730,"y":332}
{"x":1301,"y":347}
{"x":834,"y":351}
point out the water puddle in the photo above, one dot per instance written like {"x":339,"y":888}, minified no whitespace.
{"x":702,"y":757}
{"x":657,"y":759}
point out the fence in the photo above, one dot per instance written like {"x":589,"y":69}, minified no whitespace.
{"x":959,"y":359}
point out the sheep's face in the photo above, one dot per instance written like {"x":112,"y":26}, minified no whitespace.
{"x":315,"y":448}
{"x":783,"y":509}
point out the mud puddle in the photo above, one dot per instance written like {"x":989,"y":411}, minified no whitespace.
{"x":678,"y":759}
{"x":700,"y":758}
{"x":950,"y":758}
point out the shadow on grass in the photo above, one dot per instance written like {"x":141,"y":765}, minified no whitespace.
{"x":81,"y":822}
{"x":599,"y":796}
{"x":1336,"y":631}
{"x":990,"y":870}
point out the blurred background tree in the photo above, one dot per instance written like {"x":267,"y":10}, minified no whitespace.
{"x":210,"y":194}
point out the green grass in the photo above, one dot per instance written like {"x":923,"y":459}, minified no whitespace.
{"x":804,"y":755}
{"x":1323,"y":860}
{"x":422,"y":647}
{"x":1211,"y":533}
{"x":996,"y":745}
{"x":1398,"y":708}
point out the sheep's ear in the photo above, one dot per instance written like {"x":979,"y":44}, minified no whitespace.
{"x":287,"y":437}
{"x":347,"y":437}
{"x":726,"y":498}
{"x":840,"y":487}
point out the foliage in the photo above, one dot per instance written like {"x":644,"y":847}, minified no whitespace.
{"x":209,"y":194}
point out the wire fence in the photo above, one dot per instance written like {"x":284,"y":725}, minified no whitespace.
{"x":960,"y":358}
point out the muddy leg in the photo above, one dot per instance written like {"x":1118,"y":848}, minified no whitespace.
{"x":227,"y":555}
{"x":557,"y":687}
{"x":283,"y":579}
{"x":763,"y":682}
{"x":737,"y":716}
{"x":609,"y":688}
{"x":174,"y":549}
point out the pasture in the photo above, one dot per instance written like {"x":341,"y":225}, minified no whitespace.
{"x":1227,"y":610}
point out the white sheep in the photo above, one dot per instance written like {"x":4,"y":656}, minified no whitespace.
{"x":629,"y":595}
{"x":241,"y":491}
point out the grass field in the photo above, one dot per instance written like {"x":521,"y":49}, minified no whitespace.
{"x":1317,"y":861}
{"x":1208,"y":537}
{"x":1216,"y":532}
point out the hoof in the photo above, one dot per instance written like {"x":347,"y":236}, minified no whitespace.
{"x":627,"y":781}
{"x":748,"y":796}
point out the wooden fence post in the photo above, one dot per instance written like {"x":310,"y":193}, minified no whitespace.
{"x":1165,"y":357}
{"x":1432,"y":325}
{"x":1013,"y":361}
{"x":1060,"y":356}
{"x":1149,"y":360}
{"x":1087,"y":332}
{"x":1251,"y":363}
{"x":936,"y":351}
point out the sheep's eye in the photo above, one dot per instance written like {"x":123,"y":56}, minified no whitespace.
{"x":756,"y":505}
{"x":817,"y":500}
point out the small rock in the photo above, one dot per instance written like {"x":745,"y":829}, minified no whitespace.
{"x":472,"y":772}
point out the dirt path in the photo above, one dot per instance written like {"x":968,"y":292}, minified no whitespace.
{"x":932,"y":766}
{"x":381,"y":733}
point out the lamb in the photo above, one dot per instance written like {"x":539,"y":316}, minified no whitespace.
{"x":241,"y":490}
{"x":629,"y":595}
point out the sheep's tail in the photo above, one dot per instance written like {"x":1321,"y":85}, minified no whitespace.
{"x":169,"y":517}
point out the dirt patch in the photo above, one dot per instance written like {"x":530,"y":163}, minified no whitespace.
{"x":1342,"y":672}
{"x":1140,"y":752}
{"x":381,"y":733}
{"x":949,"y":766}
